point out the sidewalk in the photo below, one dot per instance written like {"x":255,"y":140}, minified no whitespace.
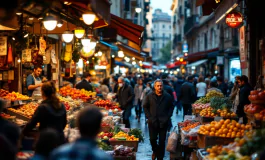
{"x":144,"y":149}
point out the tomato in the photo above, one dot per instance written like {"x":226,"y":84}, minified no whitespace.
{"x":250,"y":98}
{"x":261,"y":95}
{"x":254,"y":97}
{"x":254,"y":92}
{"x":258,"y":116}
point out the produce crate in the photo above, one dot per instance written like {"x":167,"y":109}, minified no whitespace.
{"x":133,"y":144}
{"x":205,"y":120}
{"x":20,"y":116}
{"x":205,"y":141}
{"x":125,"y":157}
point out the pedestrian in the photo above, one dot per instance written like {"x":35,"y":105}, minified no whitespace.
{"x":235,"y":89}
{"x":9,"y":136}
{"x":47,"y":141}
{"x":104,"y":89}
{"x":138,"y":90}
{"x":85,"y":148}
{"x":244,"y":92}
{"x":213,"y":87}
{"x":125,"y":97}
{"x":177,"y":88}
{"x":222,"y":85}
{"x":187,"y":96}
{"x":158,"y":107}
{"x":201,"y":88}
{"x":85,"y":83}
{"x":77,"y":80}
{"x":51,"y":113}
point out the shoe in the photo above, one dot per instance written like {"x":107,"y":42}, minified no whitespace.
{"x":153,"y":156}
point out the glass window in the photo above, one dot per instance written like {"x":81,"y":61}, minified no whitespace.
{"x":163,"y":35}
{"x":163,"y":26}
{"x":169,"y":26}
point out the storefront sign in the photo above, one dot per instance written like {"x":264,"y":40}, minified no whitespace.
{"x":185,"y":48}
{"x":220,"y":60}
{"x":242,"y":50}
{"x":3,"y":46}
{"x":234,"y":19}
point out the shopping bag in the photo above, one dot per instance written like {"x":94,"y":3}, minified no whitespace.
{"x":172,"y":141}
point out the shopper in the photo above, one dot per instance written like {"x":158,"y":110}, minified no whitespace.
{"x":104,"y":89}
{"x":7,"y":129}
{"x":146,"y":91}
{"x":213,"y":87}
{"x":158,"y":107}
{"x":138,"y":90}
{"x":34,"y":81}
{"x":85,"y":148}
{"x":222,"y":85}
{"x":48,"y":140}
{"x":125,"y":97}
{"x":201,"y":88}
{"x":7,"y":150}
{"x":244,"y":92}
{"x":50,"y":113}
{"x":177,"y":87}
{"x":85,"y":83}
{"x":235,"y":89}
{"x":187,"y":96}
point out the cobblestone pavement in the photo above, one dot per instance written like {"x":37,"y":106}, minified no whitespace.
{"x":144,"y":149}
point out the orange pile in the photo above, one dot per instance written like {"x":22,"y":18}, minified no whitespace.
{"x":190,"y":126}
{"x":207,"y":112}
{"x":224,"y":128}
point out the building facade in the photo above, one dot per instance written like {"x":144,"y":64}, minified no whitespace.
{"x":162,"y":32}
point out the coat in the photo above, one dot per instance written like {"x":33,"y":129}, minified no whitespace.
{"x":243,"y":99}
{"x":125,"y":96}
{"x":137,"y":94}
{"x":10,"y":131}
{"x":158,"y":113}
{"x":187,"y":93}
{"x":48,"y":117}
{"x":84,"y":84}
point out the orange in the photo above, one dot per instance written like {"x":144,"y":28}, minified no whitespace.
{"x":238,"y":125}
{"x":225,"y":131}
{"x":213,"y":129}
{"x":217,"y":126}
{"x":228,"y":135}
{"x":235,"y":129}
{"x":212,"y":133}
{"x":221,"y":121}
{"x":242,"y":126}
{"x":206,"y":132}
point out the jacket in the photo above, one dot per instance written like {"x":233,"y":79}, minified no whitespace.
{"x":10,"y":131}
{"x":48,"y":117}
{"x":158,"y":112}
{"x":187,"y":93}
{"x":243,"y":99}
{"x":168,"y":88}
{"x":223,"y":87}
{"x":137,"y":93}
{"x":125,"y":96}
{"x":84,"y":84}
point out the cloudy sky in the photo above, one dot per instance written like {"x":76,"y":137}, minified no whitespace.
{"x":162,"y":4}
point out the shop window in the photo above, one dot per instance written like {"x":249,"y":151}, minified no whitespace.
{"x":205,"y":41}
{"x":163,"y":26}
{"x":163,"y":35}
{"x":227,"y":33}
{"x":169,"y":26}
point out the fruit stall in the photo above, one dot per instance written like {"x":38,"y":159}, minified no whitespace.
{"x":214,"y":132}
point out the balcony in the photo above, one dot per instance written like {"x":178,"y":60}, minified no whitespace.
{"x":191,"y":22}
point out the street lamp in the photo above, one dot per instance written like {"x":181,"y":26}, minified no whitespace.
{"x":138,"y":9}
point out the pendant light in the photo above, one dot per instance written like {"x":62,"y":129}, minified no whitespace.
{"x":92,"y":44}
{"x":49,"y":22}
{"x":85,"y":41}
{"x":60,"y":23}
{"x":67,"y":35}
{"x":79,"y":32}
{"x":89,"y":18}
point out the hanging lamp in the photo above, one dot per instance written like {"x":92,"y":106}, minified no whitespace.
{"x":67,"y":35}
{"x":49,"y":22}
{"x":89,"y":18}
{"x":79,"y":32}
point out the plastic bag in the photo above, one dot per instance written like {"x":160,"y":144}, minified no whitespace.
{"x":172,"y":141}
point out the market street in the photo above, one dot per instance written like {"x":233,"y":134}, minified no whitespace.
{"x":145,"y":150}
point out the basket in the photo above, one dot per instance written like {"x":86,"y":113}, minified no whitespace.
{"x":205,"y":141}
{"x":133,"y":144}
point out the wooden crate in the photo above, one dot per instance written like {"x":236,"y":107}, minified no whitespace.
{"x":205,"y":141}
{"x":205,"y":120}
{"x":133,"y":144}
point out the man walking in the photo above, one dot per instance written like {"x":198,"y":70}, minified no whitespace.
{"x":85,"y":83}
{"x":187,"y":96}
{"x":158,"y":108}
{"x":125,"y":97}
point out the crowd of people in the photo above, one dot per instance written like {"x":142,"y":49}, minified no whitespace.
{"x":156,"y":95}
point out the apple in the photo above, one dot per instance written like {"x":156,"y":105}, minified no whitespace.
{"x":105,"y":138}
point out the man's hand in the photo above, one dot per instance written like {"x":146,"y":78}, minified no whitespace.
{"x":39,"y":85}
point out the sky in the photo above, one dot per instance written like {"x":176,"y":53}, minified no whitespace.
{"x":162,"y":4}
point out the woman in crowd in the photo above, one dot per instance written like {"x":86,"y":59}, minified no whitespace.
{"x":138,"y":90}
{"x":50,"y":113}
{"x":201,"y":88}
{"x":104,"y":89}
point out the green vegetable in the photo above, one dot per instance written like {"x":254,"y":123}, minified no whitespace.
{"x":104,"y":146}
{"x":137,"y":133}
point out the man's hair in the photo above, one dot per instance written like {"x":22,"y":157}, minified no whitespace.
{"x":190,"y":78}
{"x":158,"y":80}
{"x":121,"y":78}
{"x":201,"y":79}
{"x":164,"y":76}
{"x":220,"y":79}
{"x":89,"y":121}
{"x":86,"y":74}
{"x":244,"y":78}
{"x":213,"y":84}
{"x":37,"y":66}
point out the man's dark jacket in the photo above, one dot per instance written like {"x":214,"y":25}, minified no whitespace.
{"x":243,"y":99}
{"x":223,"y":87}
{"x":125,"y":96}
{"x":187,"y":93}
{"x":158,"y":112}
{"x":84,"y":84}
{"x":168,"y":88}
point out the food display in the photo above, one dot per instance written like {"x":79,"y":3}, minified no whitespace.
{"x":213,"y":93}
{"x":3,"y":92}
{"x":105,"y":135}
{"x":257,"y":97}
{"x":253,"y":108}
{"x":70,"y":103}
{"x":224,"y":128}
{"x":26,"y":110}
{"x":188,"y":125}
{"x":123,"y":137}
{"x":76,"y":93}
{"x":199,"y":106}
{"x":260,"y":116}
{"x":107,"y":104}
{"x":203,"y":100}
{"x":7,"y":116}
{"x":123,"y":151}
{"x":15,"y":96}
{"x":24,"y":155}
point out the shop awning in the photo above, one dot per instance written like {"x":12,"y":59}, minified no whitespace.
{"x":146,"y":65}
{"x":195,"y":64}
{"x":213,"y":54}
{"x":127,"y":29}
{"x":124,"y":64}
{"x":130,"y":51}
{"x":200,"y":55}
{"x":224,"y":8}
{"x":175,"y":64}
{"x":208,"y":6}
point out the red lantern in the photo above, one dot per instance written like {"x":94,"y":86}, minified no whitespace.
{"x":234,"y":19}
